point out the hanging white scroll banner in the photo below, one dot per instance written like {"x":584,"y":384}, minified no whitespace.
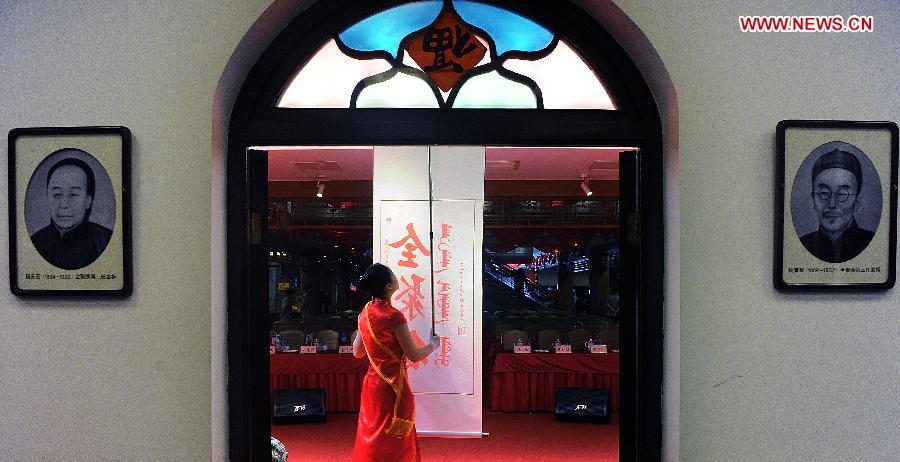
{"x":447,"y":384}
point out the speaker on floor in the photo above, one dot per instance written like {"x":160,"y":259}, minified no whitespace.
{"x":299,"y":406}
{"x":582,"y":404}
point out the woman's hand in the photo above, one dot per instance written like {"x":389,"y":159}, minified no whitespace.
{"x":359,"y":350}
{"x":413,"y":352}
{"x":435,"y":341}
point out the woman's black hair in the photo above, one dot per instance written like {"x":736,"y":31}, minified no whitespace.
{"x":374,"y":279}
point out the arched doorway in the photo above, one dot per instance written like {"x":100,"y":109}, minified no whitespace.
{"x":257,"y":121}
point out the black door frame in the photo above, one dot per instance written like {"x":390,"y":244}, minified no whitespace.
{"x":256,"y":122}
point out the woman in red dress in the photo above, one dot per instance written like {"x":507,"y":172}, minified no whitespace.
{"x":386,"y":431}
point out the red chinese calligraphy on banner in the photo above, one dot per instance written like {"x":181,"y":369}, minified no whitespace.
{"x":444,"y":247}
{"x":411,"y":243}
{"x":442,"y":300}
{"x":410,"y":297}
{"x":403,"y":225}
{"x":443,"y":353}
{"x":454,"y":287}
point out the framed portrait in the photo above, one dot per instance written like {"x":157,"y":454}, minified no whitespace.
{"x":70,"y":211}
{"x":836,"y":206}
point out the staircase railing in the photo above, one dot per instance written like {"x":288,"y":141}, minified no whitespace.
{"x":500,"y":272}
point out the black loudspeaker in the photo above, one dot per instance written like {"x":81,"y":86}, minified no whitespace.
{"x":582,"y":404}
{"x":299,"y":406}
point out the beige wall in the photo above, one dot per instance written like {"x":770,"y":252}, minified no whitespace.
{"x":803,"y":377}
{"x":125,"y":379}
{"x":767,"y":376}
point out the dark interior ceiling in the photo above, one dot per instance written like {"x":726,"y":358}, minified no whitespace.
{"x":533,"y":197}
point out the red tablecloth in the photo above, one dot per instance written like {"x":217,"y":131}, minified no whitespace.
{"x":341,"y":376}
{"x":528,"y":382}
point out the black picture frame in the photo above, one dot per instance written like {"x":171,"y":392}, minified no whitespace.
{"x":847,"y":242}
{"x":70,"y":212}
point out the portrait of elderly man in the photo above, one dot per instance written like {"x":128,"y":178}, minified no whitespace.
{"x":836,"y":184}
{"x":70,"y":241}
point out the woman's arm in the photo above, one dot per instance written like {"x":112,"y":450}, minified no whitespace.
{"x":359,"y":351}
{"x":414,"y":353}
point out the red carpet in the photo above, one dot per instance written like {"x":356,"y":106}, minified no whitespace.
{"x":513,"y":437}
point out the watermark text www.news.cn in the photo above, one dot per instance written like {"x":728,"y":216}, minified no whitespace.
{"x":834,"y":23}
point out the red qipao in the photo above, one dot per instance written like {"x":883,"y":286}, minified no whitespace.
{"x":386,"y":431}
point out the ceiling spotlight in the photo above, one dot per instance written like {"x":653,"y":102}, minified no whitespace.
{"x":320,"y":189}
{"x":585,"y":187}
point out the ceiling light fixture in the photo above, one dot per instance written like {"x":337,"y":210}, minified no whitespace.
{"x":320,"y":186}
{"x":585,"y":187}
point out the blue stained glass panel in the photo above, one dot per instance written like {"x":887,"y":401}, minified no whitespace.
{"x":385,"y":30}
{"x":510,"y":31}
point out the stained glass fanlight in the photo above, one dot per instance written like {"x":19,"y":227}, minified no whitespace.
{"x":446,"y":54}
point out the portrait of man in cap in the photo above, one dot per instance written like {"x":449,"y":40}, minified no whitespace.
{"x":71,"y":240}
{"x":837,"y":180}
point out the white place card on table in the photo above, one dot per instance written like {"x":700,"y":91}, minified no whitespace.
{"x":598,"y":349}
{"x":308,"y":349}
{"x":564,"y":349}
{"x":345,"y":349}
{"x":522,"y":349}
